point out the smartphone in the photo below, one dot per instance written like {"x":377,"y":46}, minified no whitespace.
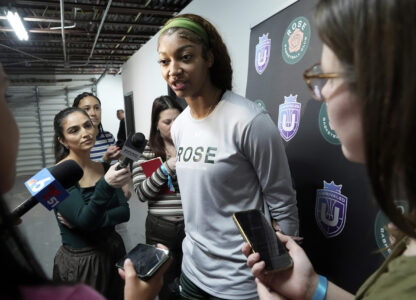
{"x":146,"y":259}
{"x":262,"y":238}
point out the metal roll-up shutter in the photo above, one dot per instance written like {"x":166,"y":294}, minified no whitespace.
{"x":34,"y":108}
{"x":78,"y":89}
{"x":22,"y":102}
{"x":51,"y":100}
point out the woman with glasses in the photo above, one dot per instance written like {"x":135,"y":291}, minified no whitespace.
{"x":230,"y":157}
{"x":370,"y":97}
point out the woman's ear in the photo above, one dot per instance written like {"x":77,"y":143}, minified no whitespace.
{"x":62,"y":142}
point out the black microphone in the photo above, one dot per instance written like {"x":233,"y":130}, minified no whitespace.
{"x":132,"y":149}
{"x":66,"y":174}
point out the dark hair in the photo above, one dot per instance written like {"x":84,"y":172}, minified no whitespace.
{"x":160,"y":104}
{"x":81,"y":96}
{"x":78,"y":99}
{"x":17,"y":259}
{"x":382,"y":77}
{"x":221,"y":72}
{"x":59,"y":150}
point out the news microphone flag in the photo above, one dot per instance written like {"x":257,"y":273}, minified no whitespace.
{"x":46,"y":189}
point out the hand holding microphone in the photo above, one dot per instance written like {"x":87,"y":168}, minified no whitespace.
{"x":116,"y":177}
{"x":49,"y":187}
{"x":132,"y":149}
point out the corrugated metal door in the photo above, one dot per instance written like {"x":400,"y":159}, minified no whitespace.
{"x":34,"y":108}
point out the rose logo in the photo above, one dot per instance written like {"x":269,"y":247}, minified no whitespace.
{"x":295,"y":40}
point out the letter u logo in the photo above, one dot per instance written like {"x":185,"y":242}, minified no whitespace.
{"x":262,"y":57}
{"x":324,"y":218}
{"x":285,"y":125}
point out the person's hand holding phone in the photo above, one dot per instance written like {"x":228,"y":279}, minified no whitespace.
{"x":298,"y":282}
{"x":260,"y":235}
{"x":135,"y":288}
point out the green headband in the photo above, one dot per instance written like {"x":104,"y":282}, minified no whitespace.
{"x":187,"y":24}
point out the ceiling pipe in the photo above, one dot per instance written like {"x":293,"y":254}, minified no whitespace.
{"x":22,"y":52}
{"x":99,"y":29}
{"x":102,"y":75}
{"x":63,"y":32}
{"x":80,"y":32}
{"x":97,"y":34}
{"x":69,"y":26}
{"x":115,"y":9}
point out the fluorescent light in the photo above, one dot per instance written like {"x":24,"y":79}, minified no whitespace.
{"x":17,"y":25}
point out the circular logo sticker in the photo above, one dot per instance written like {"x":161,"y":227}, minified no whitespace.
{"x":328,"y":134}
{"x":381,"y":234}
{"x":296,"y":40}
{"x":260,"y":103}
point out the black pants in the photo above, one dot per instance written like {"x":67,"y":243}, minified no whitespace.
{"x":170,"y":234}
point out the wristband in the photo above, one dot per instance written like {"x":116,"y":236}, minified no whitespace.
{"x":162,"y":167}
{"x":170,"y":183}
{"x":102,"y":160}
{"x":320,"y":291}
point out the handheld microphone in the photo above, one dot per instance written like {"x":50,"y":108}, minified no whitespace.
{"x":49,"y":187}
{"x":132,"y":149}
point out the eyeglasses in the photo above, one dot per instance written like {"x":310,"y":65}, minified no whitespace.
{"x":316,"y":79}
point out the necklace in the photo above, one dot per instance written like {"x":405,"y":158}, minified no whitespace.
{"x":210,"y":109}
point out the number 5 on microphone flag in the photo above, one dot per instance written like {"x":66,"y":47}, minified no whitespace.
{"x":46,"y":189}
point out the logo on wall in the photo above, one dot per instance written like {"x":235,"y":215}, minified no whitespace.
{"x":331,"y":209}
{"x":382,"y":236}
{"x":327,"y":133}
{"x":289,"y":117}
{"x":296,"y":40}
{"x":261,"y":104}
{"x":262,"y":53}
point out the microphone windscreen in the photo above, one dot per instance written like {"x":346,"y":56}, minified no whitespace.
{"x":67,"y":173}
{"x":137,"y":139}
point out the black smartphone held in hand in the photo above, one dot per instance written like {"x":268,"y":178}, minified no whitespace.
{"x":262,"y":238}
{"x":146,"y":259}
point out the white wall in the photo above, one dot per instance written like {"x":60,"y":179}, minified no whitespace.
{"x":233,"y":20}
{"x":110,"y":93}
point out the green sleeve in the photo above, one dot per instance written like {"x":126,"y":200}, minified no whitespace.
{"x":100,"y":211}
{"x":119,"y":213}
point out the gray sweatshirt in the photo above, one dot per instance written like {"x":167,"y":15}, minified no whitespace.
{"x":232,"y":160}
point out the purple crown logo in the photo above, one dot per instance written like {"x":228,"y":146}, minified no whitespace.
{"x":332,"y":187}
{"x":262,"y":53}
{"x":264,"y":38}
{"x":331,"y":209}
{"x":291,"y":98}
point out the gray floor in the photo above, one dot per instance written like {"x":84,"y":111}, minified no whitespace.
{"x":40,"y":229}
